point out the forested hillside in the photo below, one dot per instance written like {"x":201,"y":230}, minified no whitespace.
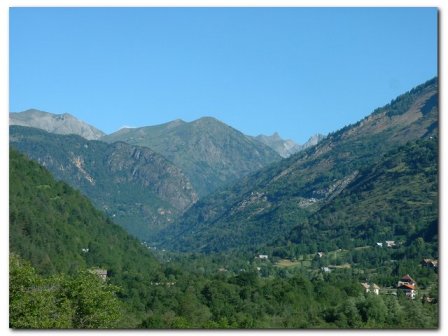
{"x":396,"y":199}
{"x":58,"y":230}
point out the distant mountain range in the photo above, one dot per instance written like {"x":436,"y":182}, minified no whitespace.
{"x":55,"y":123}
{"x":138,"y":188}
{"x":211,"y":153}
{"x":204,"y":186}
{"x":285,"y":148}
{"x":270,"y":202}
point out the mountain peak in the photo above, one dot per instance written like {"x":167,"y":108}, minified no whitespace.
{"x":174,"y":123}
{"x":207,"y":120}
{"x":63,"y":123}
{"x":287,"y":147}
{"x":210,"y":152}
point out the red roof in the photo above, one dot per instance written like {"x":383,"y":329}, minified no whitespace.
{"x":407,"y":278}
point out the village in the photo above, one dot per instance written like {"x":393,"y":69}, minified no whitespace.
{"x":317,"y":264}
{"x":405,"y":285}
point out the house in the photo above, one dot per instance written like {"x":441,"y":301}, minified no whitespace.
{"x":406,"y":279}
{"x":379,"y":244}
{"x":102,"y":273}
{"x":430,"y":263}
{"x":320,"y":254}
{"x":375,"y":289}
{"x":371,"y":288}
{"x":409,"y":290}
{"x":366,"y":286}
{"x":262,"y":256}
{"x":408,"y":286}
{"x":326,"y":269}
{"x":390,"y":243}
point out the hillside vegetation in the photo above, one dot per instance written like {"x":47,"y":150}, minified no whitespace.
{"x":395,"y":199}
{"x":58,"y":230}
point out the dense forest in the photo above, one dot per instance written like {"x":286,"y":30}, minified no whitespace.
{"x":58,"y":240}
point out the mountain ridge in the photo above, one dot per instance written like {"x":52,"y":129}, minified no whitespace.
{"x":63,"y":123}
{"x":285,"y":148}
{"x":211,"y":153}
{"x":272,"y":200}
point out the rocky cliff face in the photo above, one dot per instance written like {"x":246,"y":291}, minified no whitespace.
{"x":55,"y":123}
{"x":139,"y":165}
{"x":211,"y":153}
{"x":139,"y":188}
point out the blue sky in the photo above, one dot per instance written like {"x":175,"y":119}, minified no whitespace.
{"x":298,"y":71}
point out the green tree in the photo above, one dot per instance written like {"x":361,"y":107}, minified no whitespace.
{"x":35,"y":302}
{"x":94,"y":301}
{"x":373,"y":311}
{"x":59,"y":301}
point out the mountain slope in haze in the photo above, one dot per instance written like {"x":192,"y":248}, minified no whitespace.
{"x":59,"y":231}
{"x":55,"y":123}
{"x":211,"y":153}
{"x":285,"y":148}
{"x":270,"y":202}
{"x":139,"y":188}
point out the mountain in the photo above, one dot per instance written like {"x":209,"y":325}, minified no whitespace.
{"x":211,"y":153}
{"x":312,"y":141}
{"x":394,"y":199}
{"x":270,"y":202}
{"x":55,"y":123}
{"x":285,"y":148}
{"x":59,"y":231}
{"x":139,"y":188}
